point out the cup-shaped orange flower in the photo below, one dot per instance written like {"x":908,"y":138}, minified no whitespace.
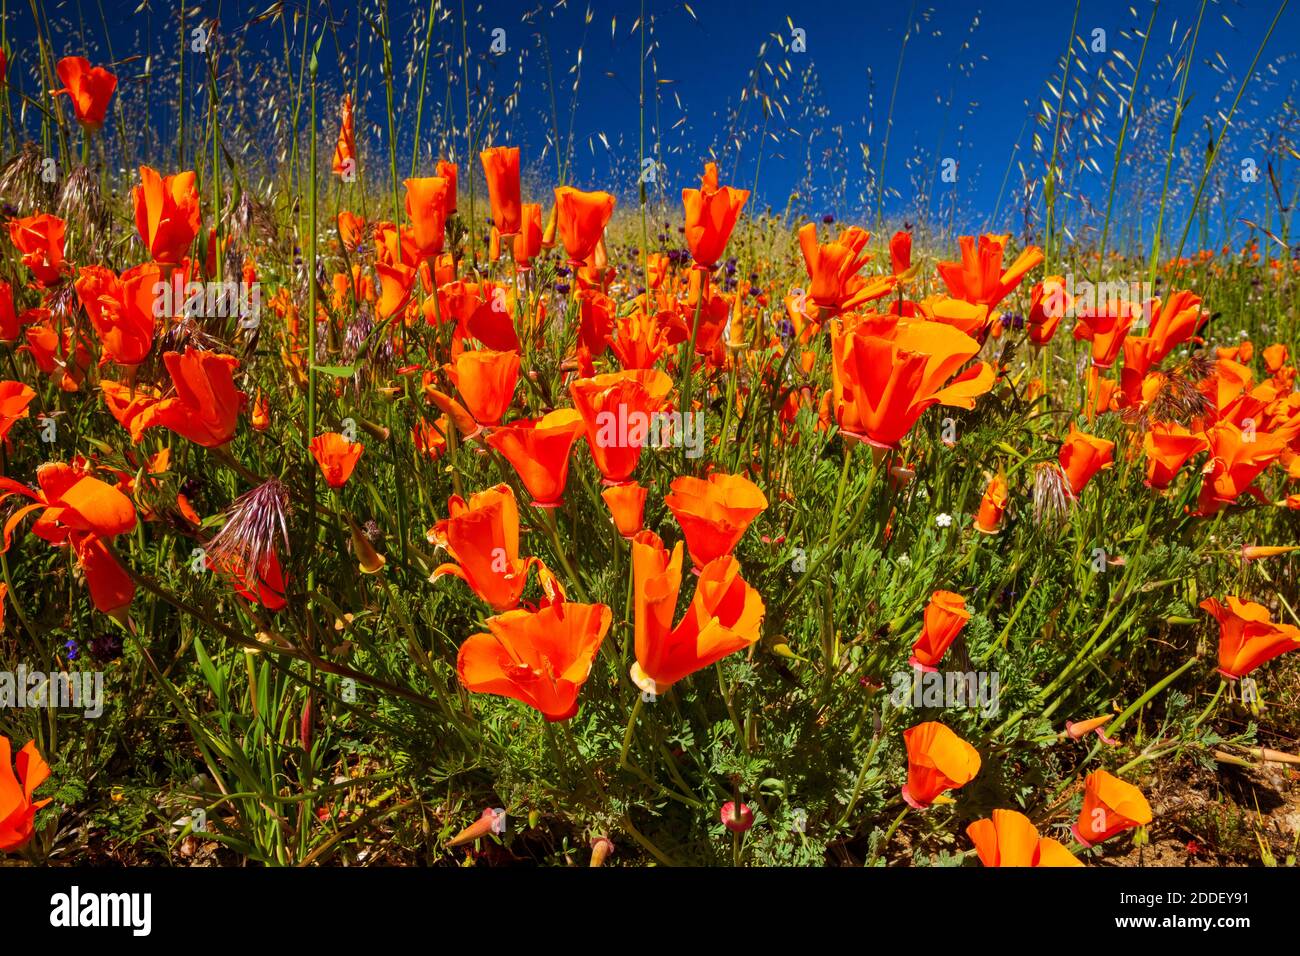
{"x":448,"y":171}
{"x":945,"y":616}
{"x":345,"y":149}
{"x":527,"y":245}
{"x":1237,"y":457}
{"x":581,"y":217}
{"x":121,"y":309}
{"x":14,"y":399}
{"x":486,"y":380}
{"x":1168,"y":446}
{"x":88,"y":87}
{"x":616,"y":409}
{"x":1247,"y":635}
{"x":19,"y":779}
{"x":993,"y":505}
{"x":206,"y":404}
{"x":1105,"y":326}
{"x":714,"y":512}
{"x":539,"y":451}
{"x":626,"y":504}
{"x":1009,"y":838}
{"x":539,"y":658}
{"x":725,"y":615}
{"x":482,"y":537}
{"x":501,"y":169}
{"x":1110,"y":806}
{"x":336,"y":457}
{"x":426,"y":207}
{"x":1048,"y":303}
{"x":979,"y":277}
{"x":167,"y":214}
{"x":937,"y":761}
{"x":900,"y":252}
{"x":1174,"y":320}
{"x":832,"y":264}
{"x":1082,"y":456}
{"x":711,"y":214}
{"x":39,"y":239}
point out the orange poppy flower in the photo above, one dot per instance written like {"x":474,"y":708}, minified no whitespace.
{"x":89,"y":88}
{"x":641,"y":339}
{"x":993,"y":505}
{"x":725,"y":615}
{"x":14,"y":399}
{"x":581,"y":217}
{"x":265,"y":586}
{"x":968,"y":317}
{"x":1008,"y":838}
{"x":486,"y":380}
{"x":1247,"y":636}
{"x":501,"y":169}
{"x":616,"y":409}
{"x":167,"y":214}
{"x":482,"y":536}
{"x":345,"y":149}
{"x":527,"y":244}
{"x":539,"y":451}
{"x":396,"y":280}
{"x":10,"y":327}
{"x":1275,"y":357}
{"x":426,"y":206}
{"x":539,"y":658}
{"x":336,"y":457}
{"x":626,"y":504}
{"x":1110,"y":806}
{"x":1168,"y":446}
{"x":945,"y":616}
{"x":1082,"y":456}
{"x":831,"y":265}
{"x":121,"y":309}
{"x":1048,"y":303}
{"x":1174,"y":320}
{"x":979,"y":277}
{"x":711,"y":214}
{"x":900,"y":252}
{"x":18,"y":781}
{"x":1105,"y":328}
{"x":1236,"y":459}
{"x":39,"y":239}
{"x":714,"y":513}
{"x":205,"y":407}
{"x":937,"y":760}
{"x":881,"y":383}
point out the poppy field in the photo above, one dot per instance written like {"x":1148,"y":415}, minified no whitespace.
{"x":387,"y":481}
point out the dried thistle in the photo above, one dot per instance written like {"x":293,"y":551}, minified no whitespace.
{"x":1051,"y":494}
{"x":248,"y":538}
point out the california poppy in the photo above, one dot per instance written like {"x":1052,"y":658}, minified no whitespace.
{"x":501,"y":169}
{"x":527,"y":244}
{"x":900,"y":252}
{"x":993,"y":505}
{"x":581,"y":217}
{"x":945,"y":616}
{"x":39,"y":239}
{"x":89,"y":88}
{"x":626,"y":504}
{"x":447,"y":170}
{"x":336,"y":457}
{"x":14,"y":399}
{"x":1105,"y":327}
{"x":486,"y":380}
{"x":937,"y":760}
{"x":1048,"y":303}
{"x":979,"y":276}
{"x":711,"y":214}
{"x":205,"y":407}
{"x":616,"y":409}
{"x":724,"y":616}
{"x":121,"y":309}
{"x":1247,"y":635}
{"x":345,"y":149}
{"x":1174,"y":320}
{"x":714,"y":512}
{"x":1168,"y":446}
{"x":167,"y":214}
{"x":539,"y":451}
{"x":426,"y":206}
{"x":1236,"y":460}
{"x":831,"y":265}
{"x":1082,"y":456}
{"x":1008,"y":838}
{"x":1110,"y":806}
{"x":18,"y":782}
{"x":540,"y":658}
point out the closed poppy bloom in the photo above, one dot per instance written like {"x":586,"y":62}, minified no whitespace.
{"x":482,"y":536}
{"x":1174,"y":320}
{"x":14,"y":399}
{"x":1110,"y":806}
{"x":945,"y":616}
{"x":979,"y":276}
{"x":447,"y":170}
{"x":616,"y":409}
{"x":1168,"y":446}
{"x":501,"y":169}
{"x":937,"y":760}
{"x":527,"y":244}
{"x":539,"y":451}
{"x":19,"y":779}
{"x":725,"y":615}
{"x":1082,"y":456}
{"x":486,"y":380}
{"x":900,"y":252}
{"x":831,"y":265}
{"x":1105,"y":327}
{"x":540,"y":658}
{"x":1236,"y":460}
{"x":166,"y":214}
{"x":111,"y":588}
{"x":121,"y":309}
{"x":993,"y":506}
{"x":89,"y":87}
{"x":10,"y":327}
{"x":711,"y":214}
{"x":626,"y":504}
{"x":396,"y":280}
{"x":1275,"y":357}
{"x":581,"y":218}
{"x":426,"y":206}
{"x":1048,"y":303}
{"x":883,"y":380}
{"x":1009,"y":838}
{"x":714,"y":513}
{"x":336,"y":457}
{"x":39,"y":239}
{"x":345,"y":149}
{"x":1247,"y":636}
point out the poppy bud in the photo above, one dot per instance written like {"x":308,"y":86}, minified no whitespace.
{"x":992,"y":506}
{"x":370,"y":560}
{"x":485,"y":824}
{"x":601,"y":849}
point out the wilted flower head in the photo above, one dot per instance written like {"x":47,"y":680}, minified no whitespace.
{"x":248,"y":538}
{"x":1051,"y":494}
